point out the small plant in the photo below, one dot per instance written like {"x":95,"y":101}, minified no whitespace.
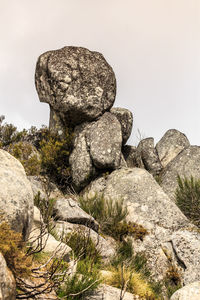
{"x":107,"y":212}
{"x":14,"y":251}
{"x":188,"y":198}
{"x":172,"y":280}
{"x":83,"y":246}
{"x":28,"y":156}
{"x":46,"y":208}
{"x":81,"y":284}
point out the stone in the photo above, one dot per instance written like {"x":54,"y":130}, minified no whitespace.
{"x":125,"y":117}
{"x":186,"y":245}
{"x":67,"y":209}
{"x":170,"y":145}
{"x":80,"y":161}
{"x":185,"y":164}
{"x":189,"y":292}
{"x":7,"y":281}
{"x":41,"y":238}
{"x":150,"y":207}
{"x":105,"y":245}
{"x":129,"y":153}
{"x":149,"y":156}
{"x":104,"y":140}
{"x":43,"y":186}
{"x":16,"y":197}
{"x":107,"y":292}
{"x":145,"y":199}
{"x":78,"y":84}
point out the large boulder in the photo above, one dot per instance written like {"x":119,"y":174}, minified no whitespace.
{"x":125,"y":117}
{"x":104,"y":140}
{"x":185,"y":164}
{"x":7,"y":281}
{"x":149,"y":156}
{"x":150,"y":207}
{"x":189,"y":292}
{"x":67,"y":209}
{"x":16,"y":197}
{"x":78,"y":84}
{"x":170,"y":145}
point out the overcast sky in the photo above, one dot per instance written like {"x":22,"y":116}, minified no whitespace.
{"x":153,"y":47}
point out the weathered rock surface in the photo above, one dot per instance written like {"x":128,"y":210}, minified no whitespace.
{"x":129,"y":153}
{"x":107,"y":292}
{"x":7,"y":281}
{"x":186,"y":244}
{"x":149,"y":156}
{"x":44,"y":187}
{"x":16,"y":197}
{"x":66,"y":209}
{"x":170,"y":145}
{"x":40,"y":238}
{"x":106,"y":246}
{"x":80,"y":161}
{"x":125,"y":117}
{"x":186,"y":164}
{"x":150,"y":207}
{"x":104,"y":140}
{"x":188,"y":292}
{"x":78,"y":84}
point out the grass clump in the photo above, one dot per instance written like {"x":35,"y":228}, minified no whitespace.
{"x":87,"y":276}
{"x":111,"y":215}
{"x":188,"y":198}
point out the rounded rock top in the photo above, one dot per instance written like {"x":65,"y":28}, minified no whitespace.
{"x":77,"y":83}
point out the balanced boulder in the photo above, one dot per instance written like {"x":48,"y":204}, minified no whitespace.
{"x":78,"y":84}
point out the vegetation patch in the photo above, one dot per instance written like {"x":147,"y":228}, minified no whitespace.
{"x":188,"y":198}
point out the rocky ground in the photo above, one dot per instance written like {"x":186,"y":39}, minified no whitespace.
{"x":80,"y":88}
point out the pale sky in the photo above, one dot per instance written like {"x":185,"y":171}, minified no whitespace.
{"x":153,"y":47}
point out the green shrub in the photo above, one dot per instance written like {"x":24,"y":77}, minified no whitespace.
{"x":28,"y":156}
{"x":55,"y":151}
{"x":83,"y":246}
{"x":188,"y":198}
{"x":86,"y":279}
{"x":14,"y":251}
{"x":107,"y":212}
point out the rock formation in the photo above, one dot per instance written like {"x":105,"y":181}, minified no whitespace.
{"x":16,"y":196}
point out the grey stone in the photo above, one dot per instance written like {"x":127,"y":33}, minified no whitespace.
{"x":149,"y":156}
{"x":105,"y":245}
{"x":150,"y":207}
{"x":145,"y":199}
{"x":129,"y":153}
{"x":125,"y":117}
{"x":186,"y":245}
{"x":78,"y":84}
{"x":40,"y":238}
{"x":7,"y":281}
{"x":80,"y":161}
{"x":16,"y":197}
{"x":67,"y":209}
{"x":107,"y":292}
{"x":104,"y":140}
{"x":170,"y":145}
{"x":185,"y":164}
{"x":189,"y":292}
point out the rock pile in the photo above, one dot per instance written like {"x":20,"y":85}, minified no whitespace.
{"x":80,"y":87}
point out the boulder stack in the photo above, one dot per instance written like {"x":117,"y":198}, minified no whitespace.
{"x":80,"y":87}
